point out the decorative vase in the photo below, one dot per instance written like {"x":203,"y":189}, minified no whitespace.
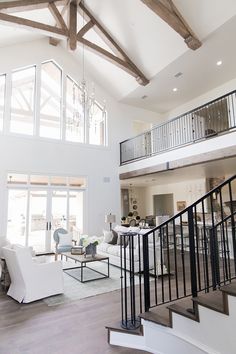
{"x":91,"y":249}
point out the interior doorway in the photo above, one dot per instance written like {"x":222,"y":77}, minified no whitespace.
{"x":163,"y":204}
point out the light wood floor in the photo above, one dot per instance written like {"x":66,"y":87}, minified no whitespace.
{"x":75,"y":328}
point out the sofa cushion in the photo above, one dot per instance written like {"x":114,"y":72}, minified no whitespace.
{"x":64,"y":239}
{"x":109,"y":237}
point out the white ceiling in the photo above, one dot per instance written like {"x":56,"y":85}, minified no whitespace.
{"x":219,"y":168}
{"x":155,"y":48}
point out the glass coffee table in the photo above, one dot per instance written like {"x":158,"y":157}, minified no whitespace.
{"x":83,"y":267}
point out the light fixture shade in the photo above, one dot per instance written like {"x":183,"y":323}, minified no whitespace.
{"x":110,"y":218}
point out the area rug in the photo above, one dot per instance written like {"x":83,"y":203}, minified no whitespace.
{"x":75,"y":290}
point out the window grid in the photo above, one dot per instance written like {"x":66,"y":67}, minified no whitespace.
{"x":33,"y":103}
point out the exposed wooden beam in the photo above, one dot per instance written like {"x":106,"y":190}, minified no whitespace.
{"x":57,"y":16}
{"x":101,"y":31}
{"x":56,"y":41}
{"x":170,"y":14}
{"x":72,"y":40}
{"x":85,"y":29}
{"x":26,"y":5}
{"x":108,"y":56}
{"x":37,"y":26}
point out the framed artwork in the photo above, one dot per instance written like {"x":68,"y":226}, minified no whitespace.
{"x":181,"y":205}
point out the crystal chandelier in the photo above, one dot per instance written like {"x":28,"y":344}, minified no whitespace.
{"x":87,"y":99}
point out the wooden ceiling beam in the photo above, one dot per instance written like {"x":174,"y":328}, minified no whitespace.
{"x":112,"y":44}
{"x":56,"y":41}
{"x":57,"y":16}
{"x":103,"y":53}
{"x":168,"y":12}
{"x":72,"y":21}
{"x":85,"y":29}
{"x":37,"y":26}
{"x":26,"y":5}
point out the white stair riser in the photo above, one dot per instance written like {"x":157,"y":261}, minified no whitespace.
{"x":127,"y":340}
{"x":215,"y":330}
{"x":163,"y":340}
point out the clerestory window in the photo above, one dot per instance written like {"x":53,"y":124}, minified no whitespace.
{"x":47,"y":103}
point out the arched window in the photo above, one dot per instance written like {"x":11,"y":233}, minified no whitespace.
{"x":75,"y":127}
{"x":2,"y":99}
{"x":23,"y":101}
{"x":97,"y":125}
{"x":50,"y":103}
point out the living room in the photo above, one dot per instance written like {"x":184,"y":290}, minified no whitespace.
{"x":73,"y":181}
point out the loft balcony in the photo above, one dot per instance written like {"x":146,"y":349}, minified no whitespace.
{"x":200,"y":135}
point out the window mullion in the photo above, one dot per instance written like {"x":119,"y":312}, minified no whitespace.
{"x":7,"y":113}
{"x":37,"y":100}
{"x":63,"y":108}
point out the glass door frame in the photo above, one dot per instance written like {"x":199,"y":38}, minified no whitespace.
{"x":49,"y":194}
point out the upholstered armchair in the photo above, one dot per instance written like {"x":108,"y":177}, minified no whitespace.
{"x":31,"y":281}
{"x":63,"y":241}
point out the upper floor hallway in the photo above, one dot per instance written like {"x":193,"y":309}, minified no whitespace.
{"x":203,"y":134}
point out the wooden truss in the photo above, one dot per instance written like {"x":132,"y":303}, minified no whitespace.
{"x":65,"y":27}
{"x":170,"y":14}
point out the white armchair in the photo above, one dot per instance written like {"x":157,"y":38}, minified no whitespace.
{"x":31,"y":281}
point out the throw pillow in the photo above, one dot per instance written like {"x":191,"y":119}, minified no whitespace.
{"x":115,"y":237}
{"x":108,"y":236}
{"x":65,"y":239}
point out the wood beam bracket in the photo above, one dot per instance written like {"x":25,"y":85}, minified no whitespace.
{"x":169,"y":13}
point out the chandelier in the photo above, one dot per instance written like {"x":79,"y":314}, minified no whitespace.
{"x":85,"y":106}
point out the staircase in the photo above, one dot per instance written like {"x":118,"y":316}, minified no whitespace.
{"x":174,"y":329}
{"x":192,"y":308}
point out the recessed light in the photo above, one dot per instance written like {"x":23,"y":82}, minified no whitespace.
{"x":219,"y":63}
{"x":175,"y":89}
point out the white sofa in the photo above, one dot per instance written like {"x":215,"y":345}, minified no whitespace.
{"x":31,"y":281}
{"x":113,"y":251}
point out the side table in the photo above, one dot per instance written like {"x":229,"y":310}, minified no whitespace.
{"x":5,"y":279}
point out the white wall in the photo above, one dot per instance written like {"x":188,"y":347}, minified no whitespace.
{"x":28,"y":154}
{"x":202,"y":99}
{"x":188,"y":191}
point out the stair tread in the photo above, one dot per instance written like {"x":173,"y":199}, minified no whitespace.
{"x":160,"y":317}
{"x":212,"y":300}
{"x":183,"y":311}
{"x":229,"y":289}
{"x":116,"y":326}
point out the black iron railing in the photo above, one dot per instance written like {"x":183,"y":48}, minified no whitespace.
{"x":210,"y":119}
{"x":193,"y":251}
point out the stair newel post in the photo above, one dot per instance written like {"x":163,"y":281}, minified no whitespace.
{"x":232,"y":224}
{"x":193,"y":269}
{"x":129,"y":318}
{"x":146,"y":276}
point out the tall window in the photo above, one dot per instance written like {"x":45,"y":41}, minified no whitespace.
{"x":2,"y":98}
{"x":40,"y":112}
{"x":74,"y":112}
{"x":22,"y":101}
{"x":51,"y":97}
{"x":97,"y":126}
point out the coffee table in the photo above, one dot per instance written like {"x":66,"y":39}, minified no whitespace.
{"x":83,"y":264}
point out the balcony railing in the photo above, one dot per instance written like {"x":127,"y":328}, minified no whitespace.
{"x":210,"y":119}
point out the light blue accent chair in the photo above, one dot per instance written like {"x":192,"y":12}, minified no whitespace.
{"x":63,"y":248}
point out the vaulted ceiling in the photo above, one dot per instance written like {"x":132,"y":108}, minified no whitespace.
{"x":139,"y":40}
